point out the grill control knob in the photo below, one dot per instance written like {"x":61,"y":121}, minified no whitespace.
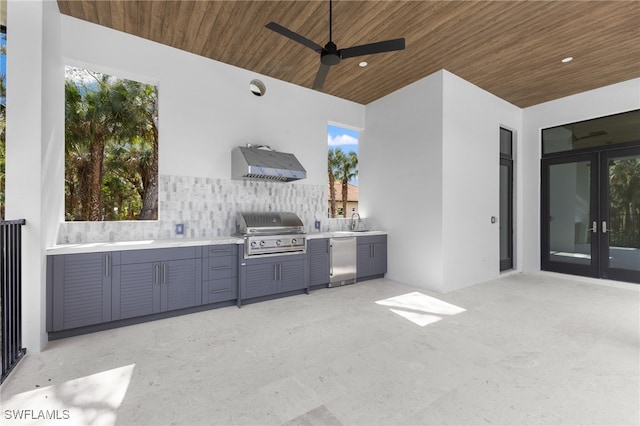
{"x":278,"y":243}
{"x":254,"y":244}
{"x":294,"y":241}
{"x":261,"y":243}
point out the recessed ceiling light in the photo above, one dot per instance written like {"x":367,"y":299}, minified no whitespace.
{"x":363,"y":64}
{"x":567,"y":59}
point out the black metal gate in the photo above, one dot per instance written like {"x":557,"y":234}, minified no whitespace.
{"x":10,"y":294}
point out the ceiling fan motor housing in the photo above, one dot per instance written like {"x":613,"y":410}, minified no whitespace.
{"x":330,"y":55}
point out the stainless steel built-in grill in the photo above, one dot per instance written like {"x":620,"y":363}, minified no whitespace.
{"x":271,"y":233}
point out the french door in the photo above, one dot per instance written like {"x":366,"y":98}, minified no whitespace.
{"x":591,"y":214}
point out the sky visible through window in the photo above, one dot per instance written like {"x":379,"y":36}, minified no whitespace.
{"x":345,"y":139}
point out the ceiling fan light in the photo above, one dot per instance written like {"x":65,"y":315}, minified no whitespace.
{"x":567,"y":59}
{"x":363,"y":64}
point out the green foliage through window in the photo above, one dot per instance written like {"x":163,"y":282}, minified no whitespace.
{"x":111,"y":148}
{"x":624,"y":202}
{"x":341,"y":168}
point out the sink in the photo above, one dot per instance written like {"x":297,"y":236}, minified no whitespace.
{"x":348,"y":233}
{"x":342,"y":233}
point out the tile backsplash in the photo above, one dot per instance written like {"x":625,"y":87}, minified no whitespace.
{"x":207,"y":207}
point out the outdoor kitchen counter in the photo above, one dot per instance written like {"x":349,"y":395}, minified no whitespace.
{"x":178,"y":242}
{"x":333,"y":234}
{"x":139,"y":244}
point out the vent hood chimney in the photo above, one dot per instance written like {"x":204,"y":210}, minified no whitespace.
{"x":263,"y":163}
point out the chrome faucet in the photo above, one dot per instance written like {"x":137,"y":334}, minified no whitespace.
{"x":353,"y":225}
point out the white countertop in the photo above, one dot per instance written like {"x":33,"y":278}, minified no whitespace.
{"x":140,"y":244}
{"x":178,"y":242}
{"x":331,"y":234}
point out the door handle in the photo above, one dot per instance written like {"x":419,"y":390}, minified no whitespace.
{"x":594,"y":227}
{"x":157,"y":271}
{"x":604,"y":227}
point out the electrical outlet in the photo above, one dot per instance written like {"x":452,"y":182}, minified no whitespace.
{"x":180,"y":229}
{"x":317,"y":225}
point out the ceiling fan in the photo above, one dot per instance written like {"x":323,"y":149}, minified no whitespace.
{"x":330,"y":54}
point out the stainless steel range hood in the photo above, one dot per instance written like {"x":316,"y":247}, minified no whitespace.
{"x":261,"y":162}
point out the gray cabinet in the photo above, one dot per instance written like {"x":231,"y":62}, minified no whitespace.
{"x":78,"y":290}
{"x":372,"y":257}
{"x":318,"y":262}
{"x":260,"y":277}
{"x":220,"y":273}
{"x":158,"y":280}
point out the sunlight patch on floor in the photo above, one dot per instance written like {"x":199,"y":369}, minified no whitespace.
{"x":419,"y":308}
{"x":87,"y":400}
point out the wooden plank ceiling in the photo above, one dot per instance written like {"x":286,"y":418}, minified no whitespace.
{"x":512,"y":49}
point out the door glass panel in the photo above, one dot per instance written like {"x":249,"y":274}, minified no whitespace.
{"x":504,"y":212}
{"x":624,"y":213}
{"x":569,"y":213}
{"x":506,"y":145}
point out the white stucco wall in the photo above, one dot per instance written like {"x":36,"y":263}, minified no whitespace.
{"x":472,"y":119}
{"x":35,"y":147}
{"x":430,"y":176}
{"x":613,"y":99}
{"x":400,"y":177}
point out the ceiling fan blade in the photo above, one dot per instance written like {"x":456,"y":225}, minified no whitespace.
{"x":368,"y":49}
{"x":294,"y":36}
{"x":321,"y":76}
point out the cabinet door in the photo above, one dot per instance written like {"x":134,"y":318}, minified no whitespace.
{"x":318,"y":255}
{"x":290,"y":275}
{"x":259,"y":280}
{"x":180,"y":284}
{"x":379,"y":259}
{"x":136,"y":290}
{"x":363,"y":260}
{"x":80,"y":286}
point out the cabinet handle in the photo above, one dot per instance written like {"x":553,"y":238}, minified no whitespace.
{"x":107,"y":265}
{"x":374,"y":250}
{"x":219,"y":291}
{"x":157,"y":274}
{"x":280,"y":271}
{"x":218,"y":268}
{"x":164,"y":273}
{"x":330,"y":260}
{"x":275,"y":272}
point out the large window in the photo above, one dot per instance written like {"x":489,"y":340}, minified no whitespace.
{"x":111,"y":147}
{"x":342,"y":171}
{"x":602,"y":132}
